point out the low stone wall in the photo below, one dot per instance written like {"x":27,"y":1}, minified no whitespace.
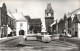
{"x":31,"y":38}
{"x":55,"y":37}
{"x":35,"y":37}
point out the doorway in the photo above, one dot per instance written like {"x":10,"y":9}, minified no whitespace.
{"x":76,"y":34}
{"x":21,"y":32}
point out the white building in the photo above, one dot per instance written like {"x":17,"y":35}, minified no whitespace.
{"x":21,"y":23}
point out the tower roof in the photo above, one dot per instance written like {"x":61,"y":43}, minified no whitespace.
{"x":49,"y":8}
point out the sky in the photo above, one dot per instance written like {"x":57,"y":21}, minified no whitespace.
{"x":36,"y":8}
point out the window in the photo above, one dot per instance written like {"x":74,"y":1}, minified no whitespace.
{"x":21,"y":24}
{"x":49,"y":14}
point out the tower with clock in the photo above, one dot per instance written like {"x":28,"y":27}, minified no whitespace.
{"x":49,"y":17}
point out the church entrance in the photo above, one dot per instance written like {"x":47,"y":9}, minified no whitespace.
{"x":21,"y":32}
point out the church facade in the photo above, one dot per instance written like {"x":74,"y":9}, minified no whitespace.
{"x":49,"y":18}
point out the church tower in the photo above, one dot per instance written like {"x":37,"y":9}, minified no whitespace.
{"x":49,"y":17}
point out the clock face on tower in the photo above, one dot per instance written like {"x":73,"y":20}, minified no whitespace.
{"x":49,"y":15}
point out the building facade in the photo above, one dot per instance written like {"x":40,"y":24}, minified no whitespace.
{"x":73,"y":23}
{"x":21,"y":27}
{"x":21,"y":23}
{"x":70,"y":23}
{"x":62,"y":25}
{"x":3,"y":20}
{"x":49,"y":17}
{"x":76,"y":26}
{"x":35,"y":25}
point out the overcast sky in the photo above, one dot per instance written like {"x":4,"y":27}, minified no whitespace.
{"x":36,"y":8}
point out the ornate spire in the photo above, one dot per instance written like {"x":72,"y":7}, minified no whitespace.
{"x":49,"y":9}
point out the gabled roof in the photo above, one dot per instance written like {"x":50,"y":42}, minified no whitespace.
{"x":10,"y":14}
{"x":19,"y":16}
{"x":28,"y":18}
{"x":73,"y":12}
{"x":49,"y":8}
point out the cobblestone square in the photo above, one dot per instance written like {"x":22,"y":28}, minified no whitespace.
{"x":40,"y":46}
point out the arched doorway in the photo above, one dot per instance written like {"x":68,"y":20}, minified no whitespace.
{"x":21,"y":32}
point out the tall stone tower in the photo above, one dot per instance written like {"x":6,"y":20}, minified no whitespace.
{"x":49,"y":17}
